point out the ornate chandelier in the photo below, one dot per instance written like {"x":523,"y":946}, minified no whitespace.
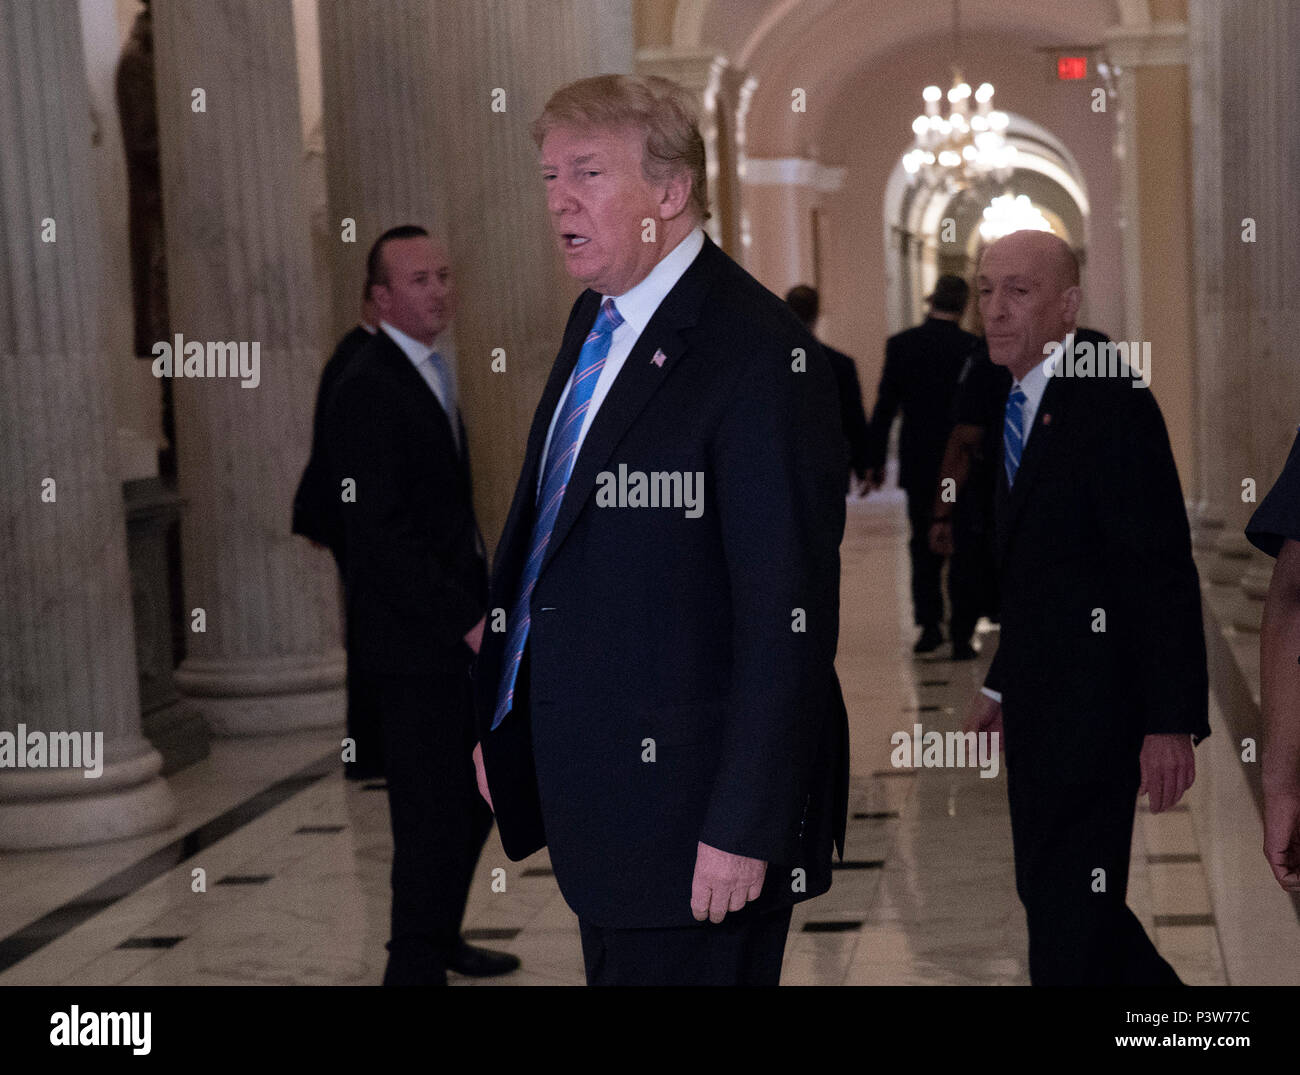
{"x":965,"y":147}
{"x":1007,"y":213}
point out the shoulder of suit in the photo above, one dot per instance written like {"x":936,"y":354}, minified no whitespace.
{"x":750,"y":314}
{"x":370,"y":370}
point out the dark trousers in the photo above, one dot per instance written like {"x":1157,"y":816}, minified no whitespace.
{"x":927,"y":567}
{"x":365,"y":730}
{"x":439,"y":820}
{"x":1062,"y":835}
{"x":972,"y":574}
{"x":743,"y":949}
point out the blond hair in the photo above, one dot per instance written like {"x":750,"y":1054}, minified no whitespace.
{"x":659,"y":108}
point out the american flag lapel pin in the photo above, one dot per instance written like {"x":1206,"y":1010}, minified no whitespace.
{"x":658,"y":358}
{"x":1047,"y":419}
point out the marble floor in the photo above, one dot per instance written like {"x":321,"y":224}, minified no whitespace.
{"x":295,"y":859}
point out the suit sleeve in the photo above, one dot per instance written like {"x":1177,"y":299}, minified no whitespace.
{"x":1157,"y":595}
{"x":888,"y":398}
{"x":382,"y":537}
{"x":777,"y":465}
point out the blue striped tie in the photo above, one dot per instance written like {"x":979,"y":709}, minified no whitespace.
{"x":1013,"y":435}
{"x":559,"y":465}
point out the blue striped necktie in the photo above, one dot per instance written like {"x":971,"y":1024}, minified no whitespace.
{"x":1013,"y":434}
{"x":558,"y":466}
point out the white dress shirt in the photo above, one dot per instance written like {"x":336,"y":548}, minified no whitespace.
{"x":419,"y":354}
{"x":636,"y":306}
{"x":1033,"y":385}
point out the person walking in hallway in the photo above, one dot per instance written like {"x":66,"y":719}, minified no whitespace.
{"x":806,"y":304}
{"x":922,"y":365}
{"x":1099,"y":688}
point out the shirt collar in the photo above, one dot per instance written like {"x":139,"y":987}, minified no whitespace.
{"x":416,"y":351}
{"x":1034,"y":383}
{"x":638,"y":304}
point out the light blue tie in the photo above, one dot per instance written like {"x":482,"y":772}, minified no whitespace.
{"x":1013,"y":434}
{"x":558,"y":466}
{"x":446,"y":397}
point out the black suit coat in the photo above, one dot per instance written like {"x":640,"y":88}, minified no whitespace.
{"x":316,"y":504}
{"x":922,"y":367}
{"x":1096,"y":520}
{"x":648,"y":625}
{"x":413,"y":573}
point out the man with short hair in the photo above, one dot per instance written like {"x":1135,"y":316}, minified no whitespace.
{"x":922,"y":365}
{"x":662,"y":710}
{"x":416,"y":585}
{"x":806,"y":304}
{"x":1100,"y":676}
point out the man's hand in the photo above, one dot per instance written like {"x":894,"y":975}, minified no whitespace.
{"x":985,"y":715}
{"x":1282,"y":835}
{"x":480,"y":775}
{"x":1168,"y":769}
{"x":474,"y":637}
{"x":941,"y":540}
{"x":723,"y":882}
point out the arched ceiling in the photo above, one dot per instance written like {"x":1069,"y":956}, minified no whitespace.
{"x":819,"y":45}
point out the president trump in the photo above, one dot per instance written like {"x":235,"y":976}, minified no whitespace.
{"x":661,"y":710}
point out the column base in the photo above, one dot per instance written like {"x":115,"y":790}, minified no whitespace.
{"x":49,"y":809}
{"x":178,"y":734}
{"x":1248,"y":607}
{"x":266,"y":697}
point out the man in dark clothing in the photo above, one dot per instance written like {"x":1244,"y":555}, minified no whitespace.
{"x":317,"y":516}
{"x":961,"y":524}
{"x":922,"y":365}
{"x":806,"y":304}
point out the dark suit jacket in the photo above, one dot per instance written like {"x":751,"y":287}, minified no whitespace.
{"x":647,"y":624}
{"x":316,"y":504}
{"x":1096,"y":520}
{"x":922,"y":366}
{"x":853,"y":419}
{"x":413,"y":574}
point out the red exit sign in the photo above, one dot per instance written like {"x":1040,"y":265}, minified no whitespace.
{"x":1071,"y":67}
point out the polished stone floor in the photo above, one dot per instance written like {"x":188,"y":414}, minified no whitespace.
{"x":298,"y":892}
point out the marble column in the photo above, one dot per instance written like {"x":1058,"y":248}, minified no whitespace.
{"x":1214,"y":373}
{"x":67,"y":654}
{"x":1154,"y":154}
{"x":1262,"y":276}
{"x":515,"y":293}
{"x":382,"y":165}
{"x":238,"y":253}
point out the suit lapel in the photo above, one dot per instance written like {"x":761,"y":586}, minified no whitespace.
{"x":1040,"y":445}
{"x":636,"y":382}
{"x":396,"y":359}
